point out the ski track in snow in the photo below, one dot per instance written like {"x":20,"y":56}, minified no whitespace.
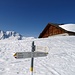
{"x":60,"y":59}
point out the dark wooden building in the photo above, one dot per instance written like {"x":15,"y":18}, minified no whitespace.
{"x":53,"y":29}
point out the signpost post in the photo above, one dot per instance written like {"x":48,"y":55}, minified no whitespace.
{"x":32,"y":59}
{"x":21,"y":55}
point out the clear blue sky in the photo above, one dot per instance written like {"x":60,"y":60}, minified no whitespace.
{"x":29,"y":17}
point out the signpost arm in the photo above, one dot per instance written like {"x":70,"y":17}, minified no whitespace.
{"x":32,"y":59}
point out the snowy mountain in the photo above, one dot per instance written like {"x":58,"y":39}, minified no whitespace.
{"x":68,"y":27}
{"x":10,"y":35}
{"x":59,"y":61}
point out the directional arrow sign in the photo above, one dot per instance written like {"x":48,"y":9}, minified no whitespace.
{"x":21,"y":55}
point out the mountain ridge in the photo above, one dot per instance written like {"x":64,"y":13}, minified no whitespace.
{"x":10,"y":35}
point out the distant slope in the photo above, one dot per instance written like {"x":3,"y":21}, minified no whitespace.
{"x":10,"y":35}
{"x":60,"y":60}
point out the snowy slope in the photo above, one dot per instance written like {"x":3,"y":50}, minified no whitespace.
{"x":60,"y":60}
{"x":68,"y":27}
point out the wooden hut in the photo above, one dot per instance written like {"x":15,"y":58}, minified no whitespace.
{"x":53,"y":29}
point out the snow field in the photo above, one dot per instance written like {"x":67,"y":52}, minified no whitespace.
{"x":59,"y":61}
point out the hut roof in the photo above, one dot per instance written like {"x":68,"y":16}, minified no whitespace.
{"x":48,"y":25}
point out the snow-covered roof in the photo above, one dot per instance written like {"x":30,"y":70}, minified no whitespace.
{"x":68,"y":27}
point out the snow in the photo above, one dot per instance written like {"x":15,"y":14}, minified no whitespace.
{"x":59,"y":61}
{"x":68,"y":27}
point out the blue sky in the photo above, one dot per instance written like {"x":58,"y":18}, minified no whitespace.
{"x":29,"y":17}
